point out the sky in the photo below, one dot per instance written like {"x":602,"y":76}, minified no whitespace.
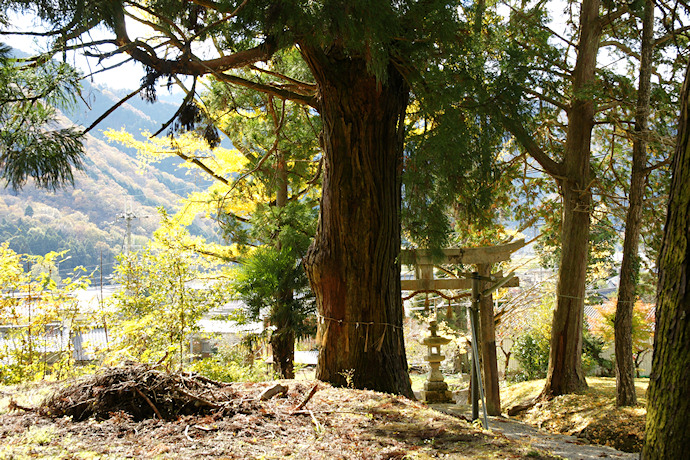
{"x":127,"y":76}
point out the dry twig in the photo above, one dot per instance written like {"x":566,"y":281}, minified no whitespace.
{"x":309,"y":396}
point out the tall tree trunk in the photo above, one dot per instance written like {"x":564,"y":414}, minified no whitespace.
{"x":353,"y":262}
{"x":283,"y":346}
{"x":667,"y":434}
{"x":283,"y":337}
{"x":488,"y":347}
{"x":565,"y":366}
{"x":625,"y":366}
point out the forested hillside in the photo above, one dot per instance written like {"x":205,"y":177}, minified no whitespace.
{"x":87,"y":219}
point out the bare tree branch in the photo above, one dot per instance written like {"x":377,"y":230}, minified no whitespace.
{"x":607,"y":20}
{"x":309,"y":100}
{"x":113,"y":108}
{"x":548,"y":99}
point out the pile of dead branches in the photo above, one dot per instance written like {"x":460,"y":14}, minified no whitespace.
{"x":143,"y":392}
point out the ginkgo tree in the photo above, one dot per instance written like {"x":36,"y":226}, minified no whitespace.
{"x":165,"y":292}
{"x":263,"y":197}
{"x":40,"y":316}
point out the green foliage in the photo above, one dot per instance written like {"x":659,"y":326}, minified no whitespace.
{"x":531,"y":347}
{"x":291,"y":227}
{"x":229,"y":364}
{"x":164,"y":294}
{"x":35,"y":306}
{"x":29,"y":146}
{"x":592,"y":348}
{"x":531,"y":350}
{"x":451,"y":173}
{"x":272,"y":281}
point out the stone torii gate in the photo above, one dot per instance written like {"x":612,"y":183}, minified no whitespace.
{"x":481,"y":258}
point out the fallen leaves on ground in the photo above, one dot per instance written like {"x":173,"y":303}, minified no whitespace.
{"x":591,"y":415}
{"x":336,"y":423}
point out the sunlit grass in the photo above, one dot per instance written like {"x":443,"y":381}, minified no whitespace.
{"x":591,"y":413}
{"x":29,"y":394}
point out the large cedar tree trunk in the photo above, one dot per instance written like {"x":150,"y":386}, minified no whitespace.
{"x":565,"y":366}
{"x":565,"y":373}
{"x":625,"y":364}
{"x":667,"y":434}
{"x":353,"y":262}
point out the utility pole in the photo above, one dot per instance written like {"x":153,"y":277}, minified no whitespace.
{"x":128,"y":216}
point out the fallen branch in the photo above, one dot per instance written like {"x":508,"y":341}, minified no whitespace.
{"x":146,"y":398}
{"x":275,"y":390}
{"x":516,"y":409}
{"x":309,"y":396}
{"x":13,"y":406}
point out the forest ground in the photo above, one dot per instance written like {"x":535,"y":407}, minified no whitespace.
{"x":591,"y":415}
{"x":335,"y":423}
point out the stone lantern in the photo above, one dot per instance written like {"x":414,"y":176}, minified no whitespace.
{"x":435,"y":389}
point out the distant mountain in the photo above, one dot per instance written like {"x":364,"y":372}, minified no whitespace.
{"x":134,"y":116}
{"x":87,"y":219}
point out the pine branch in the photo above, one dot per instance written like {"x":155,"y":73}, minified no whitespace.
{"x":551,"y":167}
{"x":548,"y":99}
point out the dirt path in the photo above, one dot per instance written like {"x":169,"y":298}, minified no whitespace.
{"x":569,"y":447}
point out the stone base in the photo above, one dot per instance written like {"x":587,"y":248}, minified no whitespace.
{"x":438,"y":385}
{"x":432,"y":397}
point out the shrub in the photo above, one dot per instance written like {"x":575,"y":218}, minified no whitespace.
{"x":592,"y":348}
{"x":532,"y":352}
{"x":228,"y":365}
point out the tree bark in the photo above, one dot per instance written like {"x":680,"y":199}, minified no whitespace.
{"x":353,"y":262}
{"x":283,"y":337}
{"x":565,"y":366}
{"x":488,"y":348}
{"x":283,"y":346}
{"x":630,"y":266}
{"x":667,"y":433}
{"x":565,"y":373}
